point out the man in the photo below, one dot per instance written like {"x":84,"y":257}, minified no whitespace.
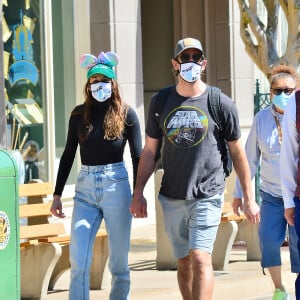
{"x":290,"y":168}
{"x":193,"y":183}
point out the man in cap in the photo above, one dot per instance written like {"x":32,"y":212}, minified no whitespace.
{"x":193,"y":183}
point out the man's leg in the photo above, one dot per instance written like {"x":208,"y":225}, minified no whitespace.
{"x":203,"y":275}
{"x":195,"y":276}
{"x":185,"y":277}
{"x":203,"y":220}
{"x":178,"y":234}
{"x":193,"y":224}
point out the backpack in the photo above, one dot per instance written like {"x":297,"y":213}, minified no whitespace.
{"x":215,"y":110}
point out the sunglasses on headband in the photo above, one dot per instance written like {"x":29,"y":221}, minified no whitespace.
{"x":185,"y":57}
{"x":278,"y":91}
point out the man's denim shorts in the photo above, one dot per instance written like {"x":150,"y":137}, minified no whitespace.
{"x":191,"y":224}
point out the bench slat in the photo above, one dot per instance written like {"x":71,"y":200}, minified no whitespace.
{"x":35,"y":189}
{"x":233,"y":217}
{"x":28,"y":243}
{"x":229,"y":215}
{"x":56,"y":239}
{"x":43,"y":230}
{"x":34,"y":210}
{"x":64,"y":239}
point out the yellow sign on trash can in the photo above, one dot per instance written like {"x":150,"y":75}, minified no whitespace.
{"x":9,"y":229}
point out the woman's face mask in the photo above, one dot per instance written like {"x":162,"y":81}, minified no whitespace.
{"x":190,"y":71}
{"x":101,"y":91}
{"x":281,"y":100}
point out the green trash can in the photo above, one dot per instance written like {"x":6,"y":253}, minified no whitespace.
{"x":9,"y":229}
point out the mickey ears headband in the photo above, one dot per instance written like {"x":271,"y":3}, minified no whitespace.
{"x":108,"y":58}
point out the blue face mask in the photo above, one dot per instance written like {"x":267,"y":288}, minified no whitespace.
{"x":281,"y":100}
{"x":101,"y":91}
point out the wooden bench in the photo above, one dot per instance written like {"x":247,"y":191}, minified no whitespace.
{"x":44,"y":251}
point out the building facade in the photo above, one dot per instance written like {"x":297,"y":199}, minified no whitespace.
{"x":42,"y":43}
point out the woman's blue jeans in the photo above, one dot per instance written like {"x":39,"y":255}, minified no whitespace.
{"x":101,"y":192}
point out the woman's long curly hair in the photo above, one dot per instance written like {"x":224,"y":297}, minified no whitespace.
{"x":114,"y":120}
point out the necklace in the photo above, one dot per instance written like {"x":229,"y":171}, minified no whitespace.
{"x":279,"y":129}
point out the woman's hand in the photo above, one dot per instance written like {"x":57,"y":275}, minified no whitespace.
{"x":56,"y":207}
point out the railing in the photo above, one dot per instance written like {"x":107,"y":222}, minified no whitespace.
{"x":261,"y":100}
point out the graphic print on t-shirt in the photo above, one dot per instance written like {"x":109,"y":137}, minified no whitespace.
{"x":186,"y":126}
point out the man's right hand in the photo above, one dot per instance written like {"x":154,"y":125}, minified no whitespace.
{"x":138,"y":207}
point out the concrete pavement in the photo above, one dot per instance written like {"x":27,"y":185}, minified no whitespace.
{"x":242,"y":281}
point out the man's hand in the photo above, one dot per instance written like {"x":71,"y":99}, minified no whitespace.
{"x":289,"y":214}
{"x":56,"y":207}
{"x":252,"y":212}
{"x":138,"y":207}
{"x":241,"y":166}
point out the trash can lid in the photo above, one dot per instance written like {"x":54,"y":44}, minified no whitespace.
{"x":8,"y":166}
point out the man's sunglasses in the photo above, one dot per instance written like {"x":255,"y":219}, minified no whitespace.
{"x":287,"y":91}
{"x":185,"y":57}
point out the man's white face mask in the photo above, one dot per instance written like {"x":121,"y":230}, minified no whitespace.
{"x":190,"y":71}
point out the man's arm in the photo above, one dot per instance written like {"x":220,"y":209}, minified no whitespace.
{"x":241,"y":166}
{"x":146,"y":167}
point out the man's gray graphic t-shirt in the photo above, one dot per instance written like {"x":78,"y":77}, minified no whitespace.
{"x":191,"y":155}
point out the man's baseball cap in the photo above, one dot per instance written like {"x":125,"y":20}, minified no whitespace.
{"x":187,"y":43}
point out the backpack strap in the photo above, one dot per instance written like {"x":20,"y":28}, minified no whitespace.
{"x":214,"y":108}
{"x":214,"y":105}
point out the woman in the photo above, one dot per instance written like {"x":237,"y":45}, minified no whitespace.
{"x":263,"y":148}
{"x":101,"y":127}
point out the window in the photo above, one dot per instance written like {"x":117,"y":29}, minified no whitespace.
{"x":24,"y":87}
